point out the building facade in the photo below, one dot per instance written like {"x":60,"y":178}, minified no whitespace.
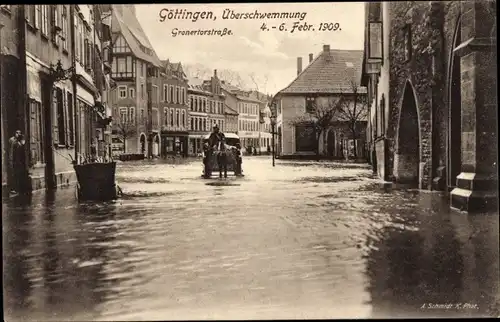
{"x":333,"y":75}
{"x":206,"y":108}
{"x":433,"y":140}
{"x":230,"y":120}
{"x":136,"y":72}
{"x":174,"y":113}
{"x":55,"y":45}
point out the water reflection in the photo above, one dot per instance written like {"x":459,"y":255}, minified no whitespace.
{"x":421,"y":265}
{"x":295,"y":241}
{"x":16,"y":256}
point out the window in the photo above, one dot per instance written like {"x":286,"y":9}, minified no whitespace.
{"x":165,"y":92}
{"x":142,"y":116}
{"x":310,"y":104}
{"x":204,"y":124}
{"x":56,"y":22}
{"x":165,"y":117}
{"x":192,"y":123}
{"x":36,"y":126}
{"x":184,"y":118}
{"x":123,"y":115}
{"x":121,"y":45}
{"x":122,"y":91}
{"x":142,"y":91}
{"x":131,"y":92}
{"x":178,"y":118}
{"x":172,"y":117}
{"x":191,"y":100}
{"x":185,"y":96}
{"x":131,"y":115}
{"x":155,"y":117}
{"x":171,"y":90}
{"x":64,"y":27}
{"x":123,"y":67}
{"x":71,"y":130}
{"x":176,"y":91}
{"x":154,"y":93}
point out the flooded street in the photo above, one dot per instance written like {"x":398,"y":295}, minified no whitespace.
{"x":301,"y":240}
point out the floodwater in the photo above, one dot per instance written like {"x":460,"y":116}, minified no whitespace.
{"x":300,"y":240}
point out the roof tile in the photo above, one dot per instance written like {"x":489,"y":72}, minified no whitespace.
{"x":329,"y":76}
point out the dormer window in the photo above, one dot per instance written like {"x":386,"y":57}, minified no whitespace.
{"x":310,"y":104}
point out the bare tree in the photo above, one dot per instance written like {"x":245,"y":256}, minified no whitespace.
{"x":196,"y":71}
{"x":125,"y":130}
{"x":321,"y":117}
{"x":232,"y":77}
{"x":263,"y":81}
{"x":354,"y":110}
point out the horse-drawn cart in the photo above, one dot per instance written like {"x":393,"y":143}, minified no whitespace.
{"x":226,"y":156}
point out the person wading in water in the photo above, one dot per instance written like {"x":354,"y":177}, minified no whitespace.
{"x":17,"y":163}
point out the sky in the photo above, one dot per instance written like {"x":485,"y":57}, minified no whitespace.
{"x":270,"y":57}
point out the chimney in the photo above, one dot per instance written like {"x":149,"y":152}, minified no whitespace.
{"x":326,"y":52}
{"x":310,"y":58}
{"x":215,"y":73}
{"x":299,"y":65}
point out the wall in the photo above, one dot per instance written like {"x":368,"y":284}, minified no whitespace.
{"x":291,"y":107}
{"x":427,"y":40}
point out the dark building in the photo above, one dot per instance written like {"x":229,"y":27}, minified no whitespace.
{"x":431,"y":122}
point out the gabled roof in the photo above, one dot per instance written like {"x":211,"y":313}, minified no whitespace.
{"x":329,"y":76}
{"x":176,"y":68}
{"x":125,"y":22}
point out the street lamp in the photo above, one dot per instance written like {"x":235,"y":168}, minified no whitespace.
{"x":273,"y":125}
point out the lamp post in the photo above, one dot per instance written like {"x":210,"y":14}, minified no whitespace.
{"x":273,"y":125}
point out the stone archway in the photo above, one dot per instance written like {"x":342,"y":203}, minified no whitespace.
{"x":455,"y":110}
{"x":142,"y":144}
{"x":407,"y":157}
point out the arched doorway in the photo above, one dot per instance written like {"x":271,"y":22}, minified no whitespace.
{"x":143,"y":144}
{"x":407,"y":158}
{"x":156,"y":146}
{"x":331,"y":143}
{"x":455,"y":110}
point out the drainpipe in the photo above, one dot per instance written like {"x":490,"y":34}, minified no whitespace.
{"x":4,"y":154}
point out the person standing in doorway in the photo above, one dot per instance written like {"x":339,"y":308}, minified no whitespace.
{"x":17,"y":163}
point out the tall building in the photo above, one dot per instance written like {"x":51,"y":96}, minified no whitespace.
{"x":431,"y":125}
{"x":174,"y":110}
{"x":333,"y":75}
{"x":136,"y":71}
{"x":248,"y":109}
{"x":206,"y":108}
{"x":56,"y":115}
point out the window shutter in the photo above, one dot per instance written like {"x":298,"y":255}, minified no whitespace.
{"x":55,"y":132}
{"x":38,"y":15}
{"x":67,"y":117}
